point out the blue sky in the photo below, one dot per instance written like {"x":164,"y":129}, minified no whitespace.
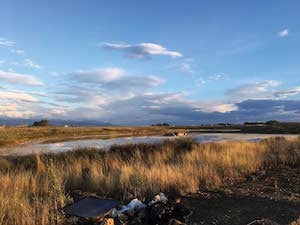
{"x":141,"y":62}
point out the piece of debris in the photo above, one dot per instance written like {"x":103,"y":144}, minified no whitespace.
{"x":158,"y":198}
{"x":160,"y":210}
{"x":91,"y":208}
{"x":134,"y":206}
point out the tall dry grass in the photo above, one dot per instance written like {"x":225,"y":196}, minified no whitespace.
{"x":34,"y":188}
{"x":16,"y":135}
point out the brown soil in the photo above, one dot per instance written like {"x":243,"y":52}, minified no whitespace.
{"x":272,"y":194}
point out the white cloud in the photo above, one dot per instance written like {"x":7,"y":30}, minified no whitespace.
{"x":30,"y":64}
{"x":17,"y":78}
{"x":258,"y":90}
{"x":2,"y":61}
{"x":7,"y":43}
{"x":216,"y":77}
{"x":283,"y":33}
{"x":212,"y":78}
{"x":99,"y":75}
{"x":287,"y":93}
{"x":17,"y":96}
{"x":16,"y":110}
{"x":18,"y":51}
{"x":142,"y":50}
{"x":186,"y":67}
{"x":100,"y":87}
{"x":217,"y":107}
{"x":261,"y":91}
{"x":200,"y":82}
{"x":115,"y":80}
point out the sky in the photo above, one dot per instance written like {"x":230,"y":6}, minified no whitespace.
{"x":143,"y":62}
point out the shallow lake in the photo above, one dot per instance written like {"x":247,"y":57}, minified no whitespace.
{"x":106,"y":143}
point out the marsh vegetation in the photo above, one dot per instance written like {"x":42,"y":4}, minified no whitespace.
{"x":10,"y":136}
{"x":34,"y":188}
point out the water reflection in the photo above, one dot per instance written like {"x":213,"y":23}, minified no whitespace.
{"x":106,"y":143}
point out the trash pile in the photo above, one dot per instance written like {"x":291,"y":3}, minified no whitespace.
{"x":160,"y":210}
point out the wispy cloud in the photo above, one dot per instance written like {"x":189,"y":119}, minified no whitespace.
{"x":7,"y":43}
{"x":216,"y":77}
{"x":99,"y":75}
{"x":142,"y":50}
{"x":257,"y":90}
{"x":99,"y":87}
{"x":30,"y":64}
{"x":17,"y":96}
{"x":186,"y":67}
{"x":17,"y":78}
{"x":212,"y":78}
{"x":260,"y":91}
{"x":17,"y":51}
{"x":287,"y":93}
{"x":283,"y":33}
{"x":109,"y":82}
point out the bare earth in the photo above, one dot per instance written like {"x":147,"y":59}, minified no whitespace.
{"x":272,"y":194}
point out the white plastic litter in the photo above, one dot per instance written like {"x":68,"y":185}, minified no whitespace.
{"x":134,"y":206}
{"x":159,"y":198}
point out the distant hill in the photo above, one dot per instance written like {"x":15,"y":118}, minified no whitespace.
{"x":53,"y":122}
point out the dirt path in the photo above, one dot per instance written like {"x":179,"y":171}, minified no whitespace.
{"x":272,"y":194}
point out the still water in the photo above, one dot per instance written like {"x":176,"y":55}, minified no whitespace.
{"x":106,"y":143}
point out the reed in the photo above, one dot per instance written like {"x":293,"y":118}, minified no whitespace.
{"x":34,"y":188}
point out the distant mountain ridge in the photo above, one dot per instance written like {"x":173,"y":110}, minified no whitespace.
{"x":53,"y":122}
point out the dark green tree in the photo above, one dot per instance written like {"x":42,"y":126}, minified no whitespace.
{"x":272,"y":122}
{"x":42,"y":123}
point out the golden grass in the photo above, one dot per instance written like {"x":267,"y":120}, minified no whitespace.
{"x":34,"y":188}
{"x":16,"y":135}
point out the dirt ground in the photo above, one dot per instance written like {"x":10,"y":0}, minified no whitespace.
{"x":272,"y":194}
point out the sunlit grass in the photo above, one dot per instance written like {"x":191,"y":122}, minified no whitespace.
{"x":16,"y":135}
{"x":34,"y":188}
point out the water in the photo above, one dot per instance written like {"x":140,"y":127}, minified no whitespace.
{"x":106,"y":143}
